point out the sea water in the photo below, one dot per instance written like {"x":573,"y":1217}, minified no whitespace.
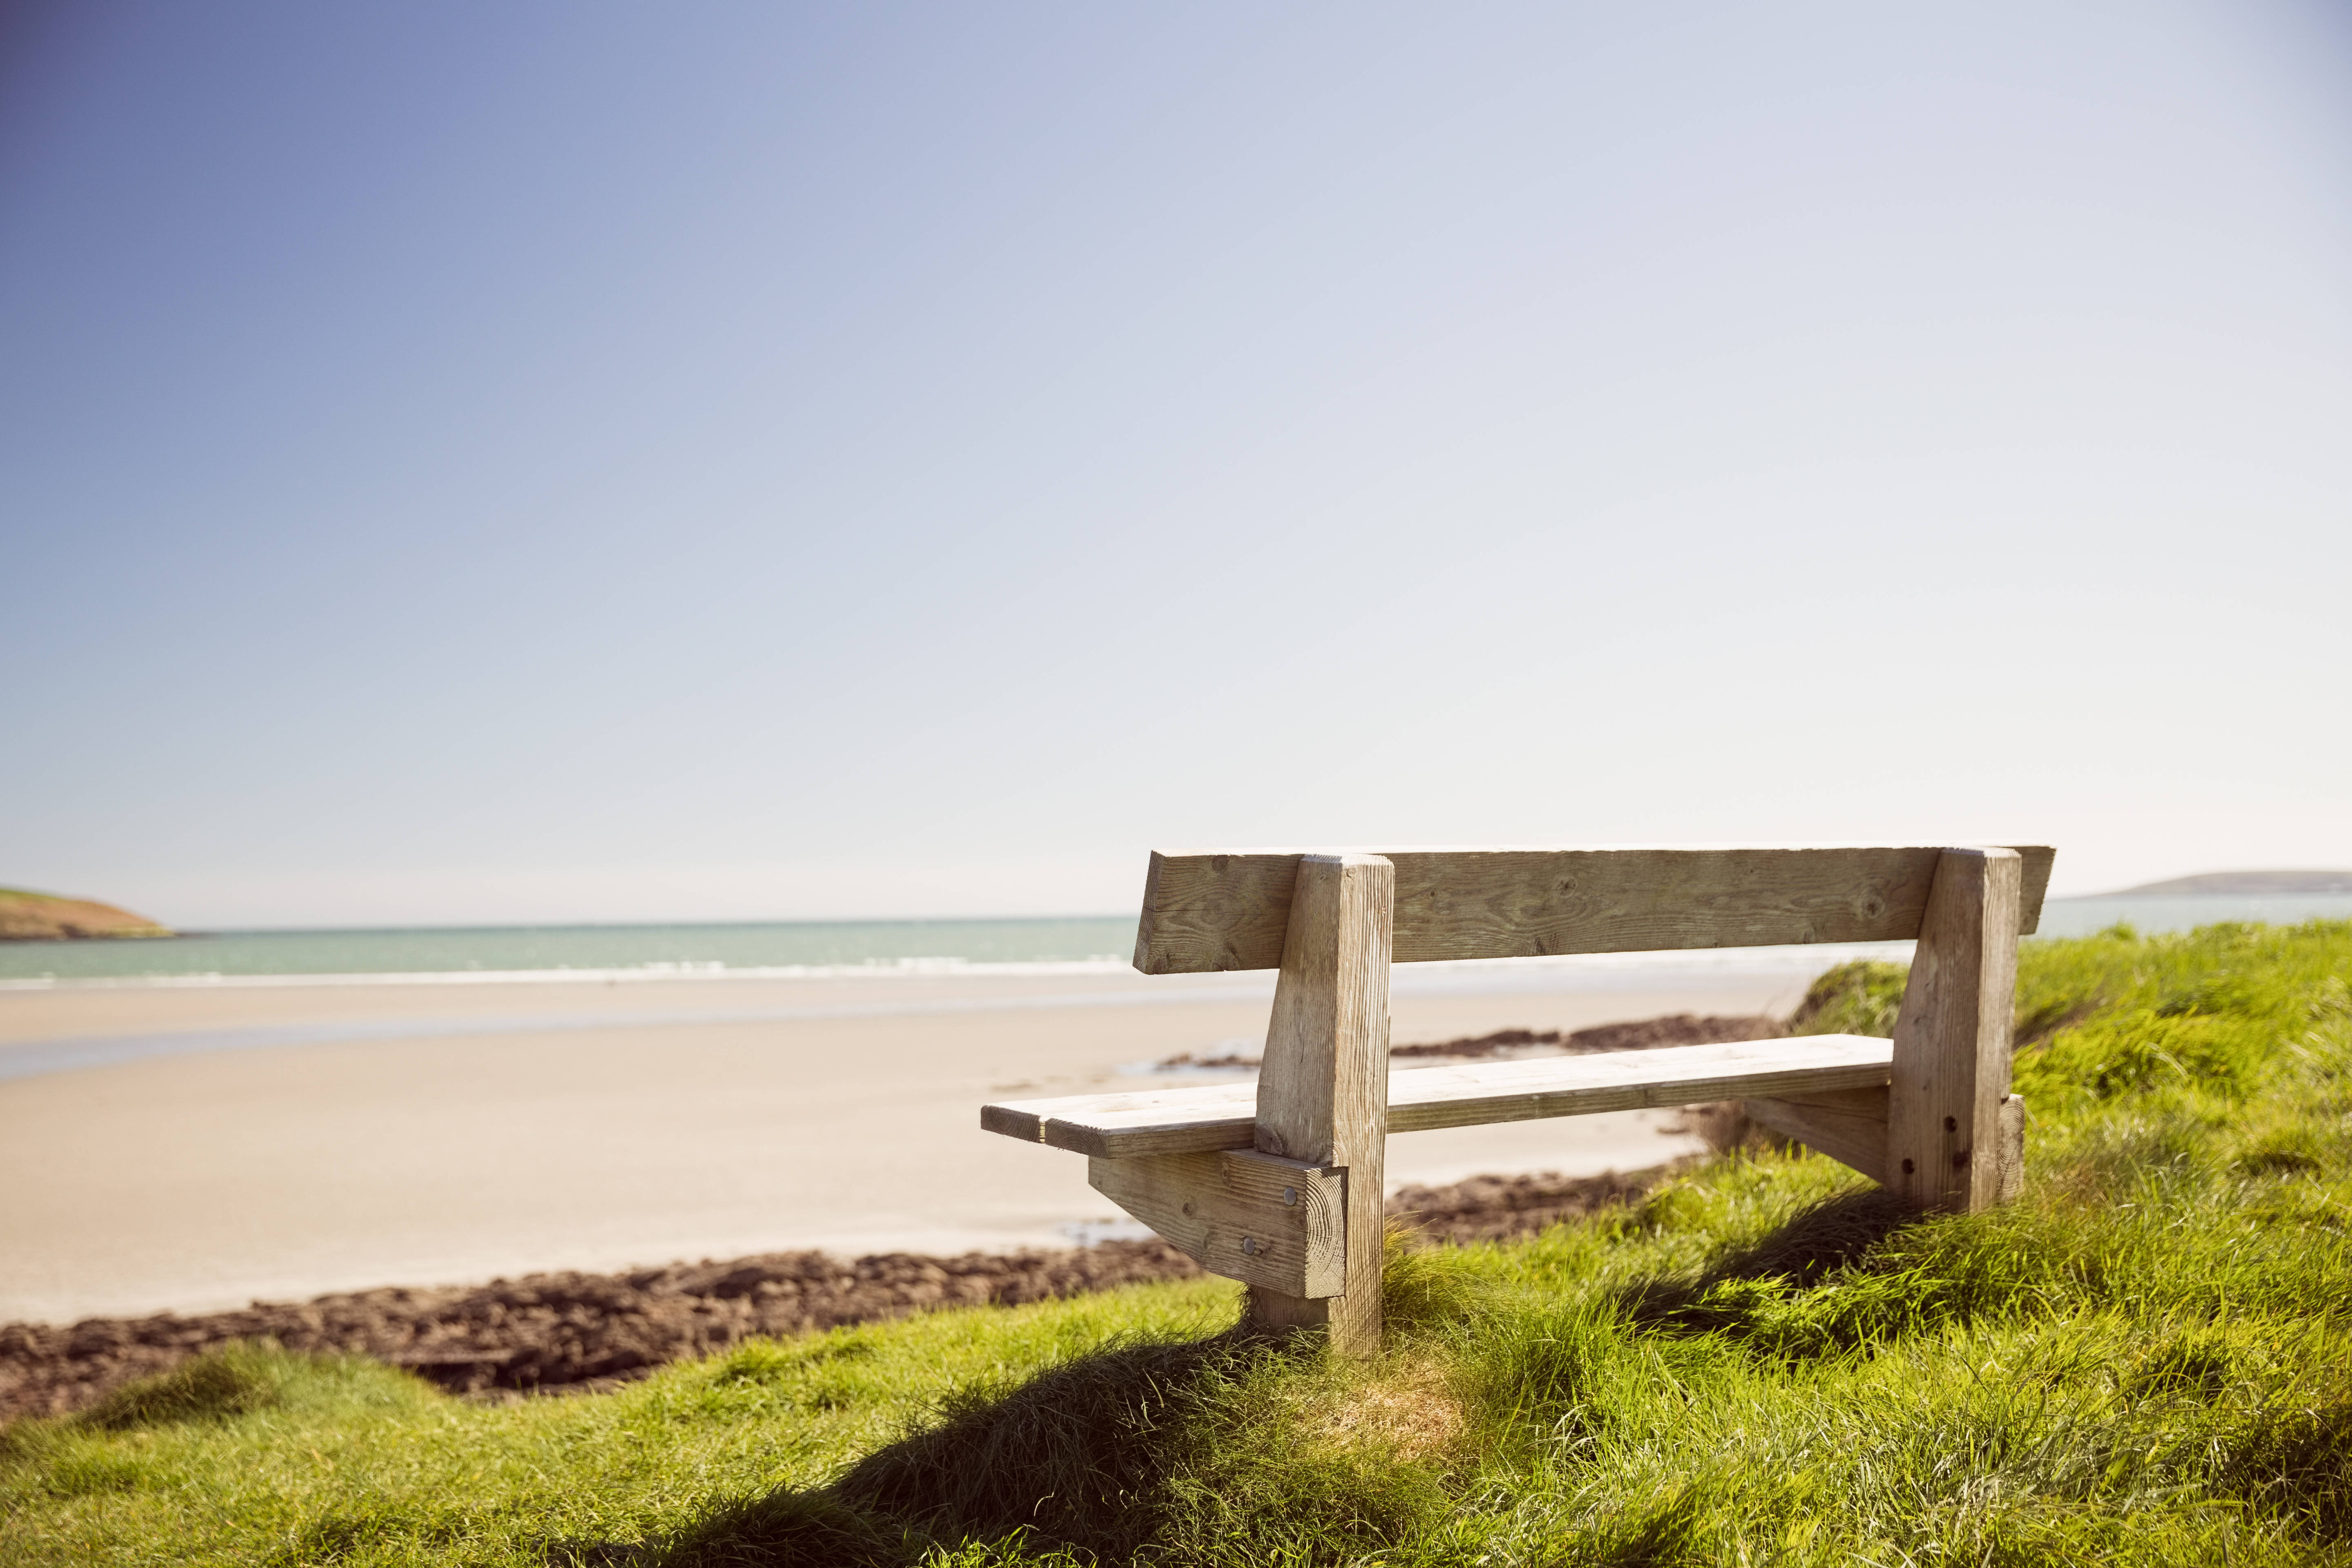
{"x":790,"y":948}
{"x":814,"y":948}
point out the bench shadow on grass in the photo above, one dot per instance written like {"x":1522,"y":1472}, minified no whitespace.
{"x":1804,"y":1252}
{"x":1078,"y":1456}
{"x":1081,"y":1455}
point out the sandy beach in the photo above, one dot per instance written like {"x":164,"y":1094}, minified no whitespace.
{"x":190,"y":1148}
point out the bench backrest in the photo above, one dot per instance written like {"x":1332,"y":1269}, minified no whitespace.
{"x":1220,"y":909}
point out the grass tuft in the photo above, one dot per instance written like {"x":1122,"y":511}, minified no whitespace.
{"x":234,"y":1380}
{"x":1857,"y":998}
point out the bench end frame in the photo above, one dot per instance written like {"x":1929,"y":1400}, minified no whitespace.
{"x":1323,"y":1091}
{"x":1946,"y":1147}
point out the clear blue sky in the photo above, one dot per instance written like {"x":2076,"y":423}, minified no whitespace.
{"x":541,"y":462}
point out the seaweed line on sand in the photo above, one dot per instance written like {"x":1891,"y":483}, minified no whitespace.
{"x":576,"y":1331}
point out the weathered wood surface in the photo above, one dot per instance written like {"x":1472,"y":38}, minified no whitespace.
{"x":1951,"y":1058}
{"x":1474,"y":1094}
{"x":1849,"y":1125}
{"x":1322,"y":1089}
{"x":1265,"y":1221}
{"x":1213,"y":909}
{"x":1223,"y":1116}
{"x":1132,"y":1122}
{"x":2012,"y":1149}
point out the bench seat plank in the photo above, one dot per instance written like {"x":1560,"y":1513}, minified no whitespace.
{"x":1223,"y":1116}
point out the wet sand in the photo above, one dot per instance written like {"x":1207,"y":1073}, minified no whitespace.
{"x":244,"y":1150}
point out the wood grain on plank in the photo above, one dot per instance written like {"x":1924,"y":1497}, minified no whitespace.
{"x":1478,"y":1093}
{"x":1952,"y":1036}
{"x":1273,"y":1222}
{"x":1133,"y":1122}
{"x":1213,"y":910}
{"x":1849,"y":1125}
{"x":1223,"y":1116}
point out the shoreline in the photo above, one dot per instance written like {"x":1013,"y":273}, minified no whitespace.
{"x":444,"y":1134}
{"x":1440,"y":974}
{"x":628,"y":955}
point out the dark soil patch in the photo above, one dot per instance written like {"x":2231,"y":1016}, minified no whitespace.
{"x":1503,"y":1208}
{"x":1644,"y":1034}
{"x":569,"y":1330}
{"x":1641,"y":1035}
{"x":579,"y":1331}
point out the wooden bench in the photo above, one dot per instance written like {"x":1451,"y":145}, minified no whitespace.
{"x":1279,"y":1184}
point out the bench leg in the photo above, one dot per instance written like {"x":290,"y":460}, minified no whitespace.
{"x":1949,"y":1138}
{"x":1323,"y":1092}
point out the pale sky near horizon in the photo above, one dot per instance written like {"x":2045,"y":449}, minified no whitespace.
{"x":481,"y":463}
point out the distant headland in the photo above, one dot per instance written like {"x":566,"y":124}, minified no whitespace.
{"x":46,"y":917}
{"x":2241,"y":884}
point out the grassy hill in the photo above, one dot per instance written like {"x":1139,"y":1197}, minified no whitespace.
{"x":2248,"y":884}
{"x":2149,"y":1360}
{"x":26,"y":916}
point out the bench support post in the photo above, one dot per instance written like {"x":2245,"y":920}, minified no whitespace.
{"x":1322,"y":1094}
{"x":1849,"y":1125}
{"x":1269,"y":1222}
{"x":1951,"y":1132}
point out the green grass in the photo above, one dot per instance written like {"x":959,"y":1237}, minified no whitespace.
{"x":2149,"y":1360}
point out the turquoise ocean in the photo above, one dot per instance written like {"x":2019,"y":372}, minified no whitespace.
{"x":789,"y":947}
{"x":458,"y":954}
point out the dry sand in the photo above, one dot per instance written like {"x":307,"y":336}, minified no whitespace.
{"x":521,"y":1127}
